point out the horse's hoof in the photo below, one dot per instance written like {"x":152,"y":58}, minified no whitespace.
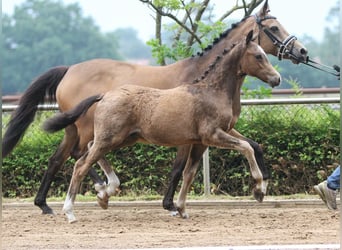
{"x":103,"y":202}
{"x":258,"y":195}
{"x":47,"y":210}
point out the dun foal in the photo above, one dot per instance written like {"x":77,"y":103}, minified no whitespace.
{"x":199,"y":113}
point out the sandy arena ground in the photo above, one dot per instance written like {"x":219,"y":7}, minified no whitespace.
{"x":142,"y":225}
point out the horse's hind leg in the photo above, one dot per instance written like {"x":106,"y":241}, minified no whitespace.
{"x":189,"y":173}
{"x":55,"y":163}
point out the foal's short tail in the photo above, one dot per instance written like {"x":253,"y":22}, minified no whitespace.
{"x":22,"y":117}
{"x":62,"y":120}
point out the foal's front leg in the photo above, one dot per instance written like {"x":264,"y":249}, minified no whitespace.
{"x":259,"y":158}
{"x":224,"y":140}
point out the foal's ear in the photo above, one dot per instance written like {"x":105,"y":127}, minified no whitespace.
{"x":264,"y":10}
{"x":249,"y":37}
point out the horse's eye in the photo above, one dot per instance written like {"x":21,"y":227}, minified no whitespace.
{"x":274,"y":29}
{"x":258,"y":57}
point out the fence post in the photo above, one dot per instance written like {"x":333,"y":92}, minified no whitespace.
{"x":206,"y":172}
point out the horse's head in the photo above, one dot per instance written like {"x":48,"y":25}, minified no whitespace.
{"x":275,"y":40}
{"x":254,"y":62}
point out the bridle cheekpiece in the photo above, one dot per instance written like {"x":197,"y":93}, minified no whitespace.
{"x":284,"y":47}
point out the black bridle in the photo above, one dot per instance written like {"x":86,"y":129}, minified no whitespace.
{"x":286,"y":48}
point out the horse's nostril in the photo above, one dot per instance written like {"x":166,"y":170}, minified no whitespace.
{"x":303,"y":51}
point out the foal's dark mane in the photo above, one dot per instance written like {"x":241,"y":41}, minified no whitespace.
{"x":213,"y":64}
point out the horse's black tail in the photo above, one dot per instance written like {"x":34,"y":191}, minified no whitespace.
{"x":63,"y":120}
{"x":22,"y":117}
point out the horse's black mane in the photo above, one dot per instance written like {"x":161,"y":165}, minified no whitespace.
{"x":220,"y":37}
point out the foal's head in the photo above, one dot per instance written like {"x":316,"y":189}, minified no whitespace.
{"x":254,"y":62}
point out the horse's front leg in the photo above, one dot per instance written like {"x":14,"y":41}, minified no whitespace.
{"x":189,"y":173}
{"x":107,"y":190}
{"x":259,"y":159}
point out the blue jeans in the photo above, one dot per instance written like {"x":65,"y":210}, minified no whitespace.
{"x":334,"y":179}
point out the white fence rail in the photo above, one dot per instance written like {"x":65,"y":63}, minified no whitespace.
{"x":206,"y":167}
{"x":323,"y":100}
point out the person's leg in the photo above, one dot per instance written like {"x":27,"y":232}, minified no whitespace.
{"x":334,"y":179}
{"x":327,"y":189}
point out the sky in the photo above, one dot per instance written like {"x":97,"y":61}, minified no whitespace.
{"x":299,"y":17}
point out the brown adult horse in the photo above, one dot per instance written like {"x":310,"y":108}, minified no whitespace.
{"x":77,"y":82}
{"x":200,"y":113}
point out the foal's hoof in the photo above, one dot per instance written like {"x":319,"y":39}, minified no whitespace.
{"x":183,"y":214}
{"x":174,"y":213}
{"x":103,"y":201}
{"x":258,"y":195}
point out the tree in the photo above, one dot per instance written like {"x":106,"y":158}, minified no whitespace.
{"x":195,"y":29}
{"x":45,"y":33}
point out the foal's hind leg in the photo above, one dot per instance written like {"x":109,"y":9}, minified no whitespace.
{"x":109,"y":189}
{"x":81,"y":168}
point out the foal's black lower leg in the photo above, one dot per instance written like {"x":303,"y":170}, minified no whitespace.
{"x":259,"y":156}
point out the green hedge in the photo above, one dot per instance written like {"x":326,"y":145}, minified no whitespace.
{"x":300,"y":143}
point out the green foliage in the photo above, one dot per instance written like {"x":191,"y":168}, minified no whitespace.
{"x":300,"y":144}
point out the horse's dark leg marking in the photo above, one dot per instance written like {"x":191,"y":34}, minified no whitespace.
{"x":55,"y":163}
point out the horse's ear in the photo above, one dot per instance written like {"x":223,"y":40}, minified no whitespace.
{"x":264,"y":10}
{"x":249,"y":37}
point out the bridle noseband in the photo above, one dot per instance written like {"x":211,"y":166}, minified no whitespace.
{"x":284,"y":47}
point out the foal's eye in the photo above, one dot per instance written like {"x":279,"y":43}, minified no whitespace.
{"x":274,"y":29}
{"x":258,"y":57}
